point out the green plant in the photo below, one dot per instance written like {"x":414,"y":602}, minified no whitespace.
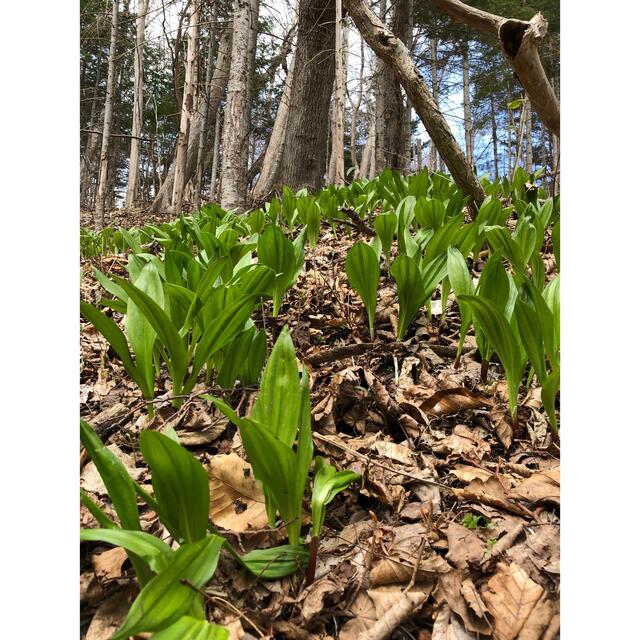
{"x":386,"y":225}
{"x":278,"y":443}
{"x":363,"y":272}
{"x":470,"y":521}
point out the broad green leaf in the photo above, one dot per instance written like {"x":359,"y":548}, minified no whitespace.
{"x":115,"y":476}
{"x":548,"y":395}
{"x":551,"y":296}
{"x":385,"y":226}
{"x":167,"y":332}
{"x":190,"y":628}
{"x":277,"y":251}
{"x":461,"y":283}
{"x":500,"y":334}
{"x":278,"y":404}
{"x":96,"y":511}
{"x":139,"y":330}
{"x":430,"y":214}
{"x":235,"y":358}
{"x":327,"y":483}
{"x":114,"y":336}
{"x":363,"y":272}
{"x":530,"y":333}
{"x":166,"y":598}
{"x":180,"y":486}
{"x":411,"y":294}
{"x":257,"y":355}
{"x":156,"y":553}
{"x":432,"y":273}
{"x":275,"y":562}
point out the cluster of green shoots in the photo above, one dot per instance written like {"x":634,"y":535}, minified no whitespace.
{"x":278,"y":442}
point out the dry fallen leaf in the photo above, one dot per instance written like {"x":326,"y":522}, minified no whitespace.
{"x":108,"y":564}
{"x":501,"y":421}
{"x":237,"y":502}
{"x":90,"y":479}
{"x":380,"y":610}
{"x":510,"y":596}
{"x":539,"y":620}
{"x":452,"y":589}
{"x":447,"y":627}
{"x":543,"y":486}
{"x":449,"y":401}
{"x":465,"y":546}
{"x":110,"y":615}
{"x":491,"y":493}
{"x":463,"y":441}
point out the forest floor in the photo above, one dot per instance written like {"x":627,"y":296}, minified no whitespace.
{"x":453,"y":532}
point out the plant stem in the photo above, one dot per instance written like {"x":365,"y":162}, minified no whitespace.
{"x":313,"y":558}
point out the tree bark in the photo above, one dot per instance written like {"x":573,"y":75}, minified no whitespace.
{"x":494,"y":139}
{"x":273,"y":155}
{"x":529,"y":141}
{"x":305,"y":150}
{"x":215,"y":156}
{"x":218,"y":85}
{"x":418,"y":155}
{"x":138,"y":107}
{"x":338,"y":129}
{"x":235,"y":131}
{"x":106,"y":128}
{"x":466,"y":100}
{"x":197,"y":180}
{"x":392,"y":50}
{"x":433,"y":52}
{"x":180,"y":179}
{"x":519,"y":40}
{"x":355,"y":110}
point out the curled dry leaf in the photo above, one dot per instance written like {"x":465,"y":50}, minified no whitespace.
{"x":465,"y":546}
{"x":467,"y":473}
{"x":501,"y":422}
{"x":463,"y":441}
{"x":237,"y":502}
{"x":90,"y":479}
{"x":541,"y":487}
{"x":451,"y":588}
{"x":447,"y":627}
{"x":450,"y":401}
{"x":492,"y":493}
{"x":378,"y":611}
{"x":539,"y":620}
{"x":111,"y":614}
{"x":399,"y":565}
{"x":108,"y":564}
{"x":315,"y":598}
{"x":511,"y":596}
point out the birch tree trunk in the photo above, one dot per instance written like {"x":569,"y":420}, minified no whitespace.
{"x":338,"y":130}
{"x":433,"y":49}
{"x":138,"y":107}
{"x":389,"y":47}
{"x":466,"y":100}
{"x":494,"y":139}
{"x":197,"y":181}
{"x":273,"y":154}
{"x":235,"y":131}
{"x":418,"y":155}
{"x":218,"y":85}
{"x":216,"y":156}
{"x":106,"y":127}
{"x":380,"y":96}
{"x":305,"y":150}
{"x":187,"y":108}
{"x":355,"y":110}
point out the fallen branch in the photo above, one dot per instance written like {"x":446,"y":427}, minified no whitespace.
{"x":519,"y":40}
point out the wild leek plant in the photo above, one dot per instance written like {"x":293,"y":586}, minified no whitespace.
{"x":167,"y":602}
{"x":386,"y":225}
{"x":363,"y":272}
{"x":278,"y":443}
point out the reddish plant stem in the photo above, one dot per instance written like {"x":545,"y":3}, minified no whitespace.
{"x":313,"y":559}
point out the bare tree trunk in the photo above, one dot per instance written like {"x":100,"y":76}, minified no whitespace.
{"x":106,"y":127}
{"x":355,"y":110}
{"x":275,"y":148}
{"x":367,"y":152}
{"x":380,"y":95}
{"x":394,"y":52}
{"x":305,"y":150}
{"x":418,"y":155}
{"x":138,"y":106}
{"x":519,"y":41}
{"x":218,"y":85}
{"x":529,"y":141}
{"x":466,"y":99}
{"x":187,"y":108}
{"x":342,"y":48}
{"x":235,"y":132}
{"x":494,"y":138}
{"x":197,"y":186}
{"x":433,"y":49}
{"x":87,"y":160}
{"x":216,"y":155}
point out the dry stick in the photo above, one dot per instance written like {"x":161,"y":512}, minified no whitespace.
{"x":349,"y":350}
{"x":368,"y":460}
{"x":221,"y":600}
{"x":416,"y":567}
